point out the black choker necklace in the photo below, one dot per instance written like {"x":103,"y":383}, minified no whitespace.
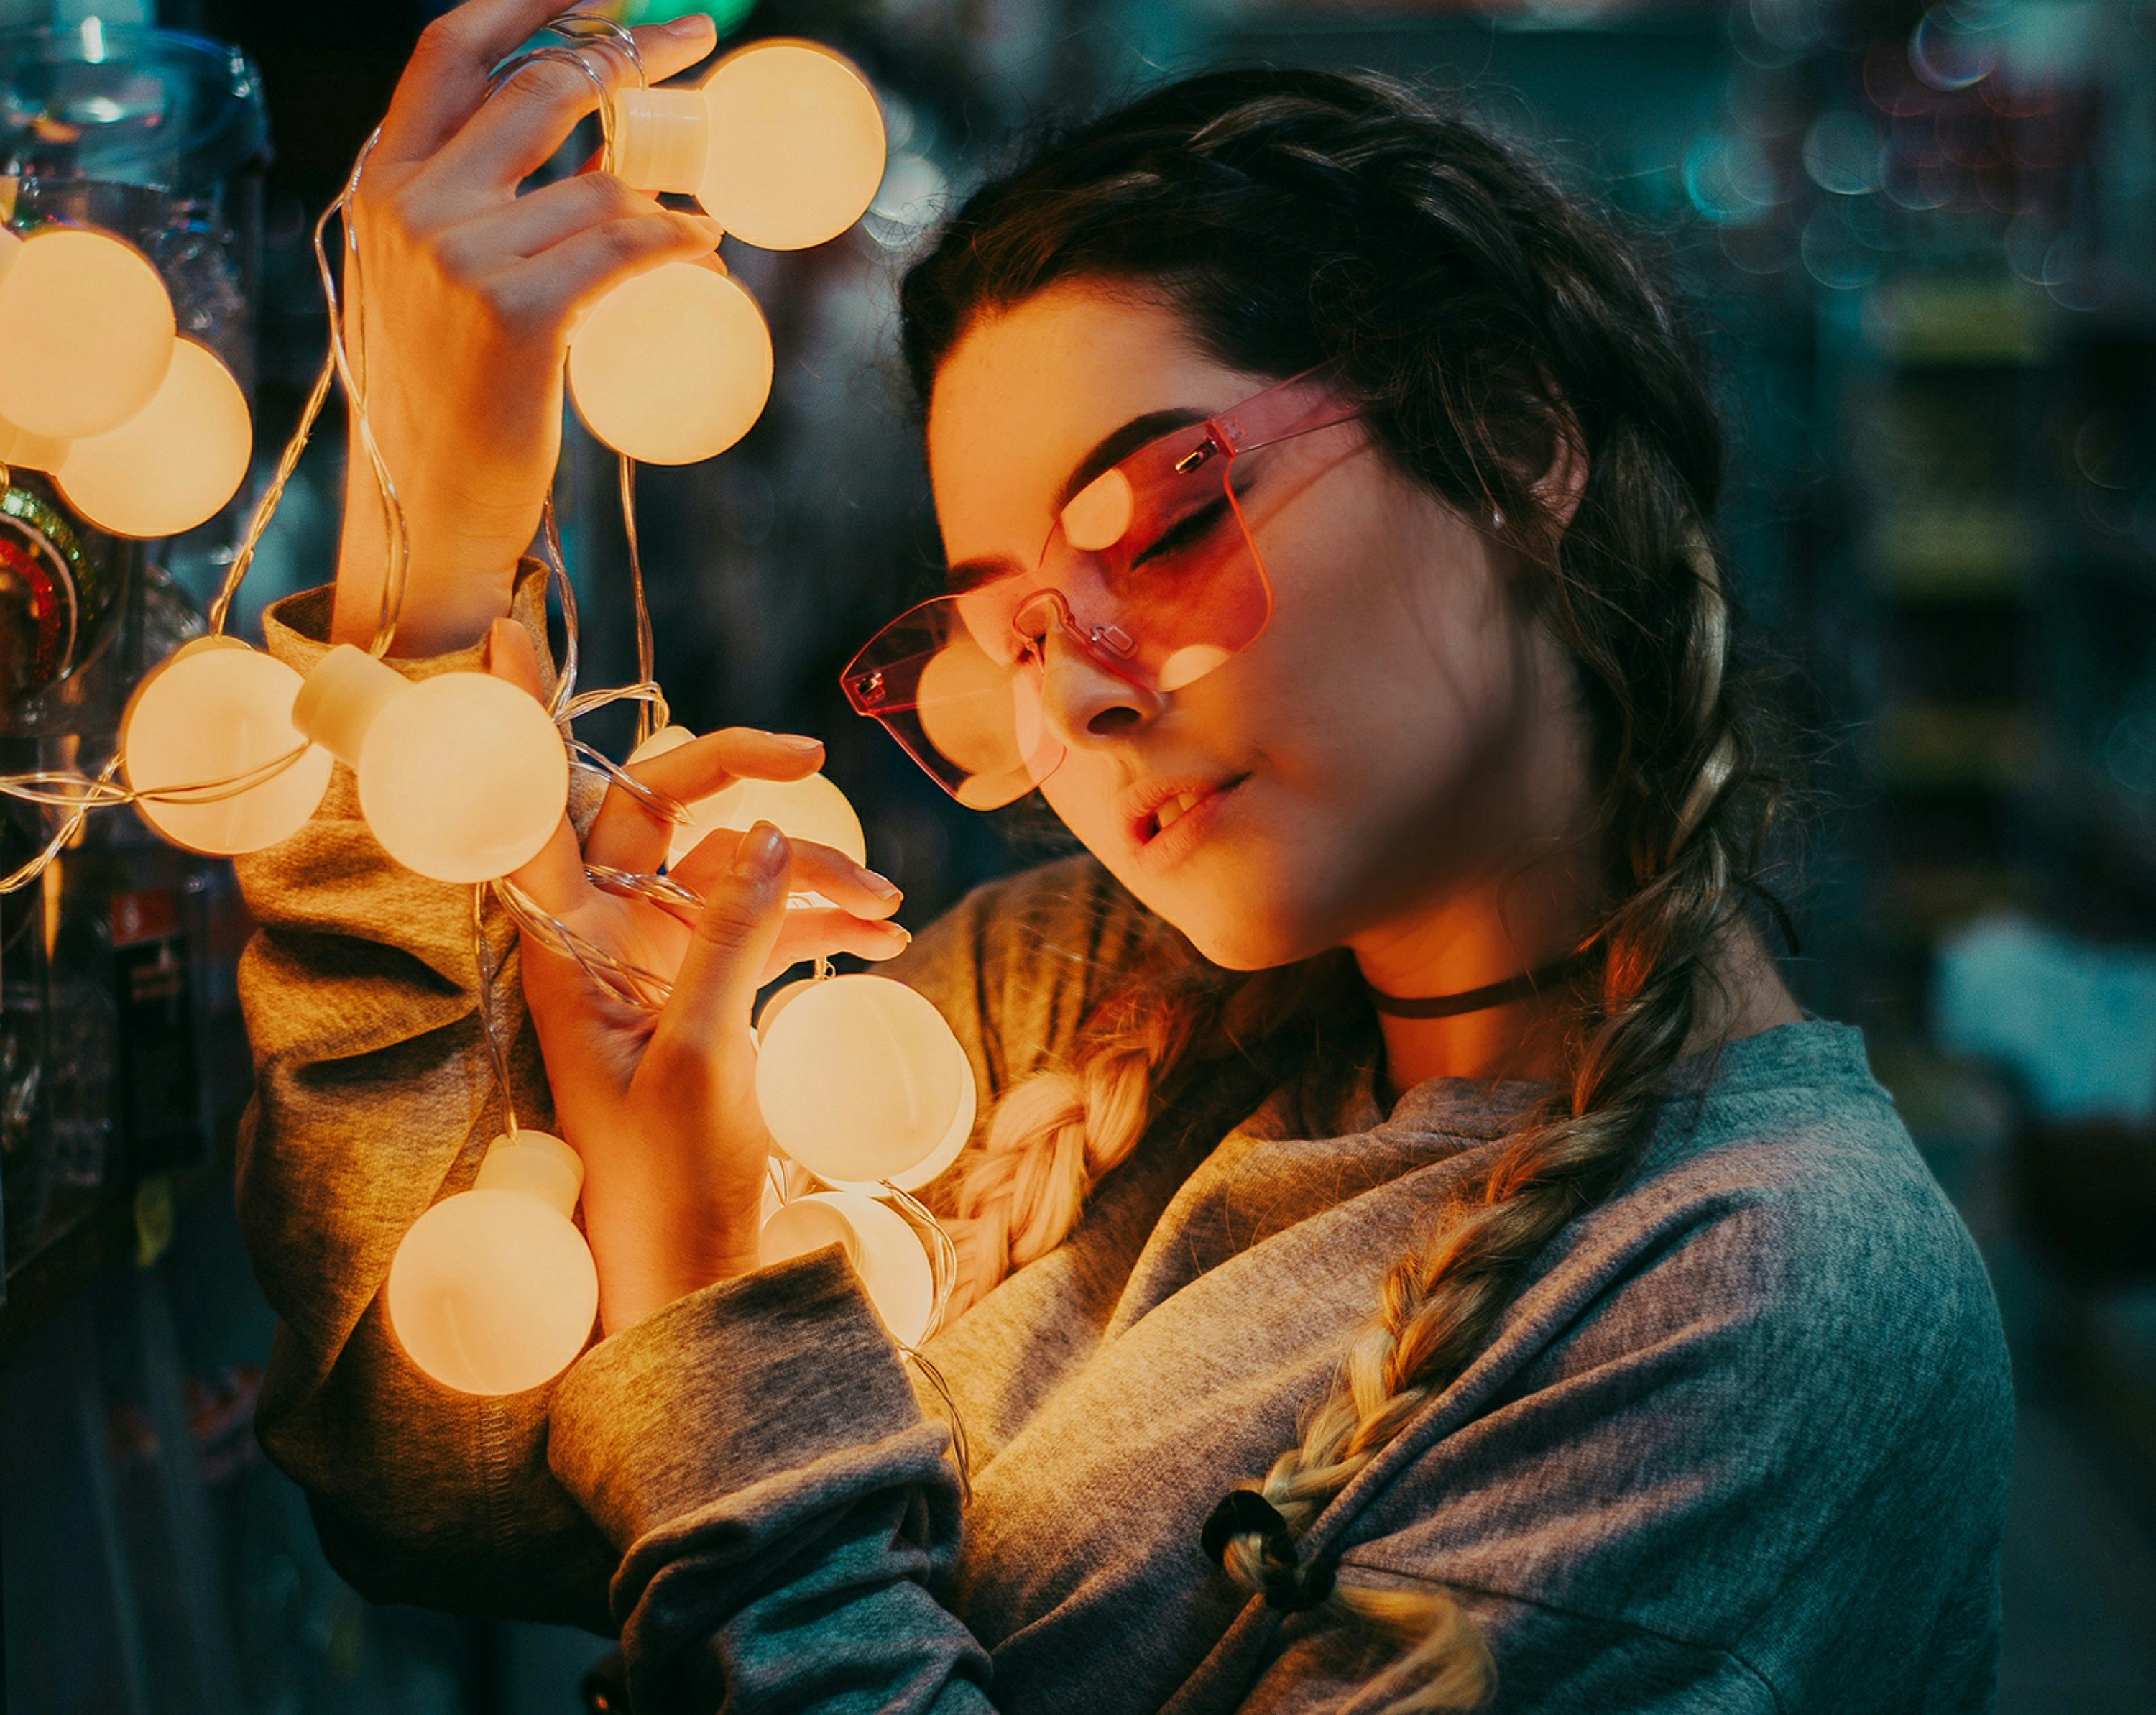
{"x":1504,"y":994}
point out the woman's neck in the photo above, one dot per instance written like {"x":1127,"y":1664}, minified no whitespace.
{"x":1479,"y":935}
{"x":1472,"y":941}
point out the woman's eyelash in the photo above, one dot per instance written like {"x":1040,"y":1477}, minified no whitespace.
{"x":1180,"y":534}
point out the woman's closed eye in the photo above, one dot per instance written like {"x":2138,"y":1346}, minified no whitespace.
{"x":1188,"y":532}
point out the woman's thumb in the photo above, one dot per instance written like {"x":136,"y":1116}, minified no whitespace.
{"x":739,"y":925}
{"x":510,"y":655}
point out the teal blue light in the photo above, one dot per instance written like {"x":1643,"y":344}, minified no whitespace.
{"x":727,"y":15}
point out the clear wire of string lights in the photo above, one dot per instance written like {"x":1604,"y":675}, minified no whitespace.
{"x":463,"y":778}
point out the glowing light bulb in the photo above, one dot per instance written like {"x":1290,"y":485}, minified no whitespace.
{"x":673,"y":366}
{"x":462,"y":776}
{"x":981,"y":717}
{"x":861,"y":1080}
{"x":784,"y":144}
{"x":493,"y":1289}
{"x":86,"y":331}
{"x":811,"y":808}
{"x":925,"y":1171}
{"x":885,"y":1253}
{"x":172,"y":464}
{"x":165,"y":470}
{"x":219,"y":711}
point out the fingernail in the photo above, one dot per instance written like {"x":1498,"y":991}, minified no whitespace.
{"x":882,"y":886}
{"x":905,"y":935}
{"x":795,"y":742}
{"x":690,"y":23}
{"x":761,"y":854}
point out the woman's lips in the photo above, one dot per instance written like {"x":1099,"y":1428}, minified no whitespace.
{"x":1182,"y":821}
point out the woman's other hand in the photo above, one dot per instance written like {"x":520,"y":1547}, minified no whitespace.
{"x":459,"y":303}
{"x":662,"y":1106}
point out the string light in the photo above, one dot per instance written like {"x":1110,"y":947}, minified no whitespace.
{"x":674,"y":366}
{"x":812,"y":808}
{"x":86,"y":331}
{"x":883,"y":1249}
{"x":783,"y":144}
{"x":219,"y":711}
{"x":171,"y":466}
{"x":493,"y":1290}
{"x":861,"y":1082}
{"x":462,"y":776}
{"x":167,"y":467}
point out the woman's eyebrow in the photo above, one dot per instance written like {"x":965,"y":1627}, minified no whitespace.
{"x":1120,"y":442}
{"x":1112,"y":447}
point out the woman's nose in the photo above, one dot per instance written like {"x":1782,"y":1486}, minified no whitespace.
{"x":1084,"y":703}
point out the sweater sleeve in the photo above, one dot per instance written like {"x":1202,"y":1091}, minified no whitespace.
{"x":782,"y":1507}
{"x":784,"y":1512}
{"x":374,"y":1097}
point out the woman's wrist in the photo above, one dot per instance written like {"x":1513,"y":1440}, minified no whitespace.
{"x":458,"y":579}
{"x":633,"y":1289}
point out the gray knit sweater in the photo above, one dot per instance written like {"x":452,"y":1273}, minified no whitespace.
{"x":1740,"y":1444}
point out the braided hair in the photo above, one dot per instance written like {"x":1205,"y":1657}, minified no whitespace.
{"x":1487,"y":320}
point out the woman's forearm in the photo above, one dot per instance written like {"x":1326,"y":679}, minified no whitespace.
{"x":457,"y":580}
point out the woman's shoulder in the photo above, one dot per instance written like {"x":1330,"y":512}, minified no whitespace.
{"x":1018,"y":963}
{"x":1784,"y":1183}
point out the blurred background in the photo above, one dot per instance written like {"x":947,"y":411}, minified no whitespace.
{"x":1921,"y":243}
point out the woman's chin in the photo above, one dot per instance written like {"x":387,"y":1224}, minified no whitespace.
{"x":1244,"y":942}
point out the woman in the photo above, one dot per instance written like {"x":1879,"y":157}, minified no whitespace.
{"x":1416,"y":1245}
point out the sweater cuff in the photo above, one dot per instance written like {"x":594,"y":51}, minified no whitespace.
{"x":747,"y":1379}
{"x":296,"y":630}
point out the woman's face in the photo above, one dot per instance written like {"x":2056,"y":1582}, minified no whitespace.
{"x":1398,"y":733}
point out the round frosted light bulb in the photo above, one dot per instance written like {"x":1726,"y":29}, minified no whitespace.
{"x":980,"y":715}
{"x":784,"y":144}
{"x":811,"y":808}
{"x":462,"y":776}
{"x":86,"y":331}
{"x":858,"y":1080}
{"x":885,"y":1252}
{"x":172,"y":464}
{"x":219,"y":710}
{"x":673,"y":366}
{"x":493,"y":1289}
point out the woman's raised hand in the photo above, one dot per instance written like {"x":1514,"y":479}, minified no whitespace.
{"x":662,"y":1106}
{"x":459,"y":312}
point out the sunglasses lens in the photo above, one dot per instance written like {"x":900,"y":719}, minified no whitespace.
{"x":969,"y":717}
{"x":1160,"y":577}
{"x":1150,"y":569}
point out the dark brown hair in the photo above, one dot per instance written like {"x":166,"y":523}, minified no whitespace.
{"x":1485,"y":317}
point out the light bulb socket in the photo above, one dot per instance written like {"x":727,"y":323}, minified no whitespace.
{"x":660,"y":139}
{"x":536,"y":1163}
{"x":339,"y":699}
